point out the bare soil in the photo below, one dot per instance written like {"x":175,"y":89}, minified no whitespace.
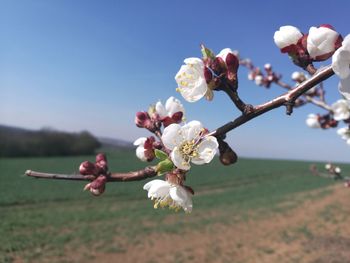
{"x":315,"y":230}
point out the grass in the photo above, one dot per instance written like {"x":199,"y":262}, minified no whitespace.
{"x":42,"y":218}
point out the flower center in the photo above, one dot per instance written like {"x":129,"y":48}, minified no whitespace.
{"x":166,"y":202}
{"x":189,"y":149}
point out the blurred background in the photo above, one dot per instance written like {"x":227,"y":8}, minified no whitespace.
{"x":72,"y":76}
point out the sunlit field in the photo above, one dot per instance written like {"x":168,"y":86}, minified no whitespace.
{"x":265,"y":210}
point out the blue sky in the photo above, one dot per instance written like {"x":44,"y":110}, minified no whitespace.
{"x":90,"y":65}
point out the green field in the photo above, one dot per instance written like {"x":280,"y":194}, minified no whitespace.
{"x":41,"y":218}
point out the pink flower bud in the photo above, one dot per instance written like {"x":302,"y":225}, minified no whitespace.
{"x":88,"y":168}
{"x":101,"y":157}
{"x":101,"y":163}
{"x":142,"y":119}
{"x":230,"y":60}
{"x":347,"y":184}
{"x":98,"y":186}
{"x":177,"y":116}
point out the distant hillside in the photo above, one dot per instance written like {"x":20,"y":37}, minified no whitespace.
{"x":111,"y":143}
{"x":16,"y":142}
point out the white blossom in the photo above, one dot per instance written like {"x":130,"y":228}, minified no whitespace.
{"x":191,"y":81}
{"x":188,"y":145}
{"x":341,"y":110}
{"x":328,"y":166}
{"x":341,"y":59}
{"x":296,"y":75}
{"x":344,"y":87}
{"x":337,"y":170}
{"x":286,"y":36}
{"x":312,"y":121}
{"x":172,"y":105}
{"x":140,"y":150}
{"x":321,"y":41}
{"x":258,"y":80}
{"x":344,"y":134}
{"x":166,"y":194}
{"x":340,"y":65}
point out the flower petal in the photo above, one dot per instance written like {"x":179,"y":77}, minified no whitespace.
{"x":178,"y":160}
{"x":159,"y":189}
{"x":160,"y":110}
{"x":181,"y":197}
{"x":192,"y":130}
{"x":344,"y":87}
{"x":140,"y":153}
{"x":172,"y":136}
{"x":148,"y":185}
{"x":207,"y":149}
{"x":140,"y":141}
{"x":173,"y":105}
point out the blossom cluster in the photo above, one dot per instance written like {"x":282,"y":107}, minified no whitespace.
{"x":319,"y":44}
{"x":197,"y":78}
{"x":177,"y":145}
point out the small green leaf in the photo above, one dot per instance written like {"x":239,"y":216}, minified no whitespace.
{"x":207,"y":53}
{"x":160,"y":154}
{"x":164,"y":166}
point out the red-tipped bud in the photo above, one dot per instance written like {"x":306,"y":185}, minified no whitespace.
{"x":232,"y":63}
{"x":177,"y":116}
{"x":142,"y":119}
{"x":101,"y":163}
{"x":101,"y":157}
{"x":88,"y":168}
{"x":98,"y":186}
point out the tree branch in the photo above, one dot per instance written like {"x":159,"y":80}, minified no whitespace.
{"x":147,"y":172}
{"x":283,"y":100}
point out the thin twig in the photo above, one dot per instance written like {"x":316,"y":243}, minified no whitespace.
{"x":147,"y":172}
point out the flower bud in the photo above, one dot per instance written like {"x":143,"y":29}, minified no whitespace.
{"x":88,"y":168}
{"x":142,"y":119}
{"x":312,"y":121}
{"x":337,"y":170}
{"x":286,"y":38}
{"x":322,"y":42}
{"x":259,"y":80}
{"x":101,"y":157}
{"x":98,"y":186}
{"x":268,"y":67}
{"x":347,"y":184}
{"x":230,"y":59}
{"x":227,"y":155}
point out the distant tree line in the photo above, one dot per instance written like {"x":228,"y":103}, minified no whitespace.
{"x":16,"y":142}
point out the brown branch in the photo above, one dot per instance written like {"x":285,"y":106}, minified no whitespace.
{"x":283,"y":100}
{"x":233,"y":94}
{"x":320,"y":103}
{"x":147,"y":172}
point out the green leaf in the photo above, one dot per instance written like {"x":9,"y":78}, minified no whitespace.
{"x":164,"y":166}
{"x":160,"y":154}
{"x":207,"y":53}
